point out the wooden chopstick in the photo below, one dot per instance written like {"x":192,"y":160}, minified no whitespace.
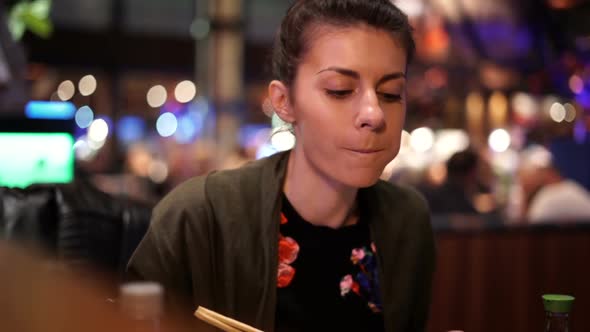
{"x":223,"y":322}
{"x":215,"y":322}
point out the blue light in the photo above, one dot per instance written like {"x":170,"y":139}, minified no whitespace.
{"x":580,"y":132}
{"x":200,"y":105}
{"x":50,"y":110}
{"x":84,"y":117}
{"x":504,"y":40}
{"x":584,"y":99}
{"x":79,"y":132}
{"x":130,"y":129}
{"x":166,"y":124}
{"x":186,"y":131}
{"x":265,"y":150}
{"x":190,"y":125}
{"x":249,"y":133}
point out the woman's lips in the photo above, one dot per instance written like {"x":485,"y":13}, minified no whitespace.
{"x":366,"y":151}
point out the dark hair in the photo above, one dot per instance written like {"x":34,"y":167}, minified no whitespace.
{"x":461,"y":163}
{"x":290,"y":43}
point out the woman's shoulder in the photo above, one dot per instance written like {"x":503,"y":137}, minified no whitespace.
{"x":197,"y":194}
{"x":250,"y":173}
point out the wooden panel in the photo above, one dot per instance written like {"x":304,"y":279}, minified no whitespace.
{"x":493,"y":281}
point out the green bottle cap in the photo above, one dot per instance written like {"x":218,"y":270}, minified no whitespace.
{"x":558,"y":303}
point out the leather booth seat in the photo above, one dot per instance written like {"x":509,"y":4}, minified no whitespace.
{"x":75,"y":223}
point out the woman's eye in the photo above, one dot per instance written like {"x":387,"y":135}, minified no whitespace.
{"x":390,"y":97}
{"x":339,"y":93}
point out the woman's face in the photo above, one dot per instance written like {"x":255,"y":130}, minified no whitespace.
{"x":349,"y":102}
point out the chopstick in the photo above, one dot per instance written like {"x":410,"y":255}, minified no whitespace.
{"x":222,"y":322}
{"x":207,"y":318}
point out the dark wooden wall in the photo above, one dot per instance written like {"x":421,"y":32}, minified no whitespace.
{"x":491,"y":281}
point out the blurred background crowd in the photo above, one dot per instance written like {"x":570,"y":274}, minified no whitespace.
{"x":498,"y":119}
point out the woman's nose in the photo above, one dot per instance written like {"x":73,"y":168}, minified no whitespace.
{"x":370,"y":115}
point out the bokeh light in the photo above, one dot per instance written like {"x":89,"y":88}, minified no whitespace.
{"x":87,"y":85}
{"x":576,"y":84}
{"x":557,"y":112}
{"x":535,"y":156}
{"x":166,"y":124}
{"x":498,"y":108}
{"x":130,"y":129}
{"x":265,"y":150}
{"x":475,"y":109}
{"x":506,"y":162}
{"x":190,"y":125}
{"x":405,"y":140}
{"x":139,"y":159}
{"x":499,"y":140}
{"x":66,"y":90}
{"x":524,"y":105}
{"x":412,"y":8}
{"x":84,"y":117}
{"x":156,"y":96}
{"x":448,"y":142}
{"x":158,"y":171}
{"x":570,"y":112}
{"x":185,"y":91}
{"x":422,"y":139}
{"x":82,"y":150}
{"x":98,"y":131}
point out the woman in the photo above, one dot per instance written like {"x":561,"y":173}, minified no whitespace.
{"x":310,"y":239}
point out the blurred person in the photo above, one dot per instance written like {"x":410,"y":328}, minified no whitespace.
{"x":310,"y":239}
{"x":546,"y":195}
{"x":136,"y":180}
{"x":467,"y":177}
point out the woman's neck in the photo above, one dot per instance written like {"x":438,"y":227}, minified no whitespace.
{"x":317,"y":198}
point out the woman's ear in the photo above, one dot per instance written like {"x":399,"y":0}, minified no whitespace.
{"x":278,"y":94}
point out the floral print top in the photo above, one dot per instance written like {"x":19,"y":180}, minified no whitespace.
{"x":327,"y":278}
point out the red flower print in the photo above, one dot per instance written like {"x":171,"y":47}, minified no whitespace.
{"x":288,"y":250}
{"x":283,"y":219}
{"x":348,"y":284}
{"x":285,"y":275}
{"x":356,"y":288}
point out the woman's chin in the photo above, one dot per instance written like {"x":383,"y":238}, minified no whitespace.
{"x":361,"y":179}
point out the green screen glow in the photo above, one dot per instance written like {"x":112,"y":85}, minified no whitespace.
{"x":28,"y":158}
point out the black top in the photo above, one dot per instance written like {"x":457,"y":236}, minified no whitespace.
{"x":327,"y":277}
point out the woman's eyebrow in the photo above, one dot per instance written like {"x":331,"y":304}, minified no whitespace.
{"x":392,"y":76}
{"x":342,"y":71}
{"x":356,"y":75}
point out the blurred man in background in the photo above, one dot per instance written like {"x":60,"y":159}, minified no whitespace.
{"x":465,"y":180}
{"x":547,"y":195}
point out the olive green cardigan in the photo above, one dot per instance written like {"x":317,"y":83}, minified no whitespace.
{"x":214,"y":240}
